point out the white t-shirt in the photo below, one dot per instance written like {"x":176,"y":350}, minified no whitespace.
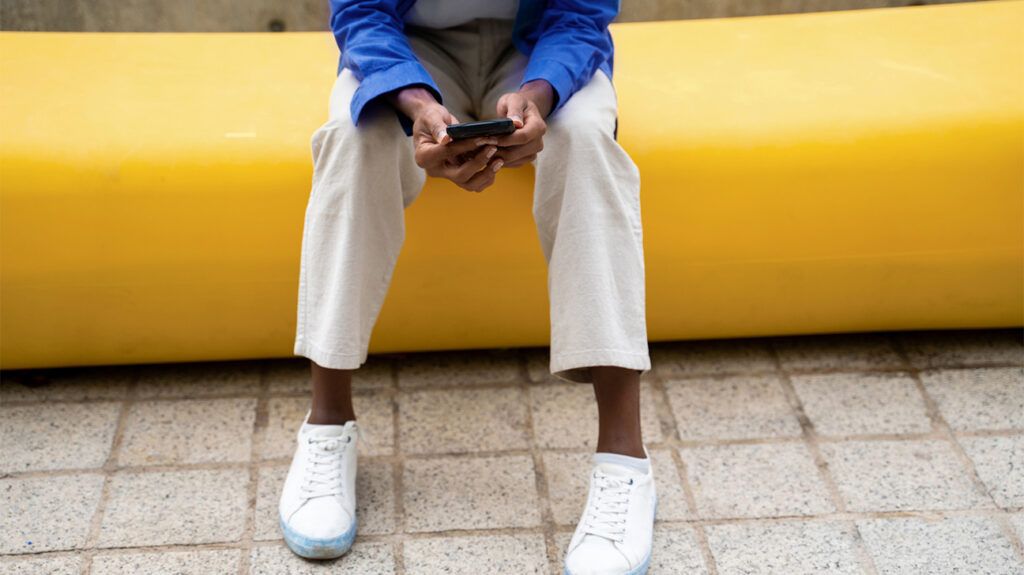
{"x":448,"y":13}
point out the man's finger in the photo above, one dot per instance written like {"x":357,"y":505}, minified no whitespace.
{"x":472,"y":166}
{"x":430,"y":154}
{"x":521,"y":161}
{"x":459,"y":147}
{"x":514,"y":153}
{"x":484,"y":178}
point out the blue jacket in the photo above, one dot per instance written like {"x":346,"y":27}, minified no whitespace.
{"x":567,"y":41}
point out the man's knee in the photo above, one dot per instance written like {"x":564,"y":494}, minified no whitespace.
{"x":578,"y":131}
{"x":340,"y":137}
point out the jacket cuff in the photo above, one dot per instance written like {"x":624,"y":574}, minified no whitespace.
{"x":379,"y":83}
{"x":556,"y":74}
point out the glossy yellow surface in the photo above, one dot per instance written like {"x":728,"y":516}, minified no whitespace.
{"x":813,"y":173}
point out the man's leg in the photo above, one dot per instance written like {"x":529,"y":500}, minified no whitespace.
{"x":617,"y":391}
{"x":587,"y":210}
{"x":363,"y":178}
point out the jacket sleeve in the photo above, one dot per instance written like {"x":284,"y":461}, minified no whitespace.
{"x":374,"y":47}
{"x":572,"y":45}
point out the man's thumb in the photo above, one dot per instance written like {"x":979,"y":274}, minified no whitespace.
{"x":440,"y":131}
{"x":513,"y":109}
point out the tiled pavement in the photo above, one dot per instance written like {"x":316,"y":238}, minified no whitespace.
{"x":877,"y":453}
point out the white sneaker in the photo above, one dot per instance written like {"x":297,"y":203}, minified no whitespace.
{"x":615,"y":532}
{"x":318,"y":503}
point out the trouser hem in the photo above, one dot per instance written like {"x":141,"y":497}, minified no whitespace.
{"x":574,"y":366}
{"x":330,"y":360}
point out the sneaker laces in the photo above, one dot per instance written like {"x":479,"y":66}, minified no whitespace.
{"x":606,"y":515}
{"x":323,"y":473}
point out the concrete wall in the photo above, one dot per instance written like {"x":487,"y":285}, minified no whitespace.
{"x":277,"y":15}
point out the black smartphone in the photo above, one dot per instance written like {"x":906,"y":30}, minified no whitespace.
{"x":480,"y":129}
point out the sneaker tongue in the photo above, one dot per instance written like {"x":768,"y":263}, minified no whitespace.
{"x":327,"y":430}
{"x":616,"y":470}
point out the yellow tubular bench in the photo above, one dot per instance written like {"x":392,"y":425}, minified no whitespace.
{"x":832,"y":172}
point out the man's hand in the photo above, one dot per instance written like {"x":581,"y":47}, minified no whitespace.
{"x":527,"y":109}
{"x":467,"y":163}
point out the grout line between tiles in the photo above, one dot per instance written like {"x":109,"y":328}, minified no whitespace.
{"x":255,"y":448}
{"x":666,"y":444}
{"x":942,"y":426}
{"x":397,"y":472}
{"x":109,"y":468}
{"x":810,"y":436}
{"x":552,"y":552}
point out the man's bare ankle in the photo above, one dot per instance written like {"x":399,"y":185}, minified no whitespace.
{"x":628,"y":449}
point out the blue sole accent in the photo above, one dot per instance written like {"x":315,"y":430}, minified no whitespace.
{"x":311,"y":548}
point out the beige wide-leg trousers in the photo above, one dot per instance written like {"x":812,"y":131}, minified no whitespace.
{"x":586,"y":206}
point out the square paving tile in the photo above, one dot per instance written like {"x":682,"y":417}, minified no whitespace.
{"x":56,"y":436}
{"x":672,"y":504}
{"x":565,"y":415}
{"x":862,"y":403}
{"x":743,"y":407}
{"x":472,"y":555}
{"x":675,"y":550}
{"x":68,"y":384}
{"x":447,"y":493}
{"x":458,"y":368}
{"x":188,"y":431}
{"x":952,"y":545}
{"x":793,"y":548}
{"x":375,"y":499}
{"x":714,"y":357}
{"x":843,"y":352}
{"x":175,"y":507}
{"x":756,"y":481}
{"x":291,"y":376}
{"x":47,"y":513}
{"x":193,"y":562}
{"x":901,"y":476}
{"x":999,"y":462}
{"x":567,"y":484}
{"x":34,"y":565}
{"x":568,"y":478}
{"x":285,"y":415}
{"x":199,"y":379}
{"x":976,"y":399}
{"x":954,"y":348}
{"x":462,"y":420}
{"x":363,"y":558}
